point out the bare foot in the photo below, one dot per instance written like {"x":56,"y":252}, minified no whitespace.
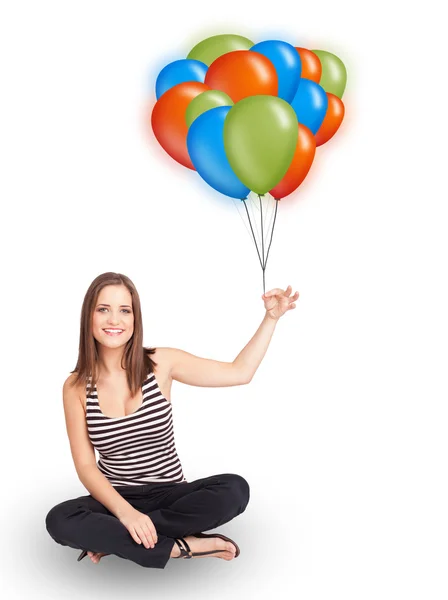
{"x":95,"y":557}
{"x":225,"y":550}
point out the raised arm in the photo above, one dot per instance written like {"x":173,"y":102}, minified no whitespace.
{"x":205,"y":372}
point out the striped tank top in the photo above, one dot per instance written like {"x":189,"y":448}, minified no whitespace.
{"x":139,"y":448}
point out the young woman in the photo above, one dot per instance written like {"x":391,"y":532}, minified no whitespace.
{"x":117,"y":401}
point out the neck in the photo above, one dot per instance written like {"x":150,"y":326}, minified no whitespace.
{"x":109,"y":361}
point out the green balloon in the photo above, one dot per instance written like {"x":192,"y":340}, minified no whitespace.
{"x":211,"y":48}
{"x":206,"y":101}
{"x":260,"y":138}
{"x":334,"y":73}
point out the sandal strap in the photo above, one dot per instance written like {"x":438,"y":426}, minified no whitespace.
{"x":208,"y":552}
{"x":186,"y":545}
{"x":183,"y":553}
{"x":221,"y":536}
{"x":188,"y":553}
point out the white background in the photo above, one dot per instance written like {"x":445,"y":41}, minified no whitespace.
{"x":342,"y":432}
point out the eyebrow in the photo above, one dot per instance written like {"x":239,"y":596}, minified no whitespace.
{"x":121,"y":305}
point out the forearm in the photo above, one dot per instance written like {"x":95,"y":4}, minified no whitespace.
{"x":249,"y":359}
{"x":102,"y":490}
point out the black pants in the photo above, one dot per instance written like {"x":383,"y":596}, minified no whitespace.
{"x":176,"y":509}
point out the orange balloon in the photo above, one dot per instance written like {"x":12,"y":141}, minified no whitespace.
{"x":243,"y":73}
{"x":168,"y":119}
{"x":311,"y":65}
{"x":300,"y":165}
{"x":333,"y":119}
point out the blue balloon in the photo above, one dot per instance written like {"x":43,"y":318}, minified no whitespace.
{"x":287,"y":63}
{"x":180,"y":71}
{"x":205,"y":144}
{"x":310,"y":104}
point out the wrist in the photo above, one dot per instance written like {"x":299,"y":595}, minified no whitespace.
{"x":269,"y":317}
{"x":123,"y":510}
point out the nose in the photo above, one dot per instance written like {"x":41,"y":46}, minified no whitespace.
{"x":113,"y":320}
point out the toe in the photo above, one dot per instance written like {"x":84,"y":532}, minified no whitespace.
{"x":231,"y":548}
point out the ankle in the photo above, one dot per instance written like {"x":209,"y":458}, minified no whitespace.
{"x":175,"y":551}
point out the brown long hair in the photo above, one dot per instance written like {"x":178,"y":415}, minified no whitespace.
{"x":136,"y":358}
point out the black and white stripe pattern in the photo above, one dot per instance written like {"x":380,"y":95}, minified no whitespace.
{"x":139,"y":448}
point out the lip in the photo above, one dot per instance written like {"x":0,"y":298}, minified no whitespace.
{"x":116,"y":333}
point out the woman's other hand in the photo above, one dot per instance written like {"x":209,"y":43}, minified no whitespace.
{"x":140,"y":527}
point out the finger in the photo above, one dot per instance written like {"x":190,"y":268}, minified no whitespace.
{"x":135,"y":536}
{"x":149,"y":533}
{"x":145,"y":537}
{"x":153,"y":531}
{"x":138,"y":535}
{"x":273,"y":292}
{"x":142,"y":538}
{"x":293,"y":298}
{"x":149,"y":527}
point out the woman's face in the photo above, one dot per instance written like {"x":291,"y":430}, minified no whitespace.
{"x":113,"y":316}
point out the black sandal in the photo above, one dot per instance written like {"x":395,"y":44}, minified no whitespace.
{"x":187,"y":553}
{"x":81,"y":556}
{"x":219,"y":535}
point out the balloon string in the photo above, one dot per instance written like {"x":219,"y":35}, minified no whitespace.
{"x":253,"y":207}
{"x":241,"y":216}
{"x":262,"y":243}
{"x":267,"y":205}
{"x":250,"y":223}
{"x":272,"y":232}
{"x":263,"y":261}
{"x":270,"y":205}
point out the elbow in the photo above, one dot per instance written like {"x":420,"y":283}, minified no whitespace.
{"x":84,"y":470}
{"x":241,"y":375}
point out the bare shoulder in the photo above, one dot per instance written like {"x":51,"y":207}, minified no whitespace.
{"x":69,"y":382}
{"x":164,"y":358}
{"x":72,"y":392}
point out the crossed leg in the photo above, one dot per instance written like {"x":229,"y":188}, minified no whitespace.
{"x":180,"y":511}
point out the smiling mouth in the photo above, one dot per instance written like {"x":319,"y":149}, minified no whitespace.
{"x":113,"y":332}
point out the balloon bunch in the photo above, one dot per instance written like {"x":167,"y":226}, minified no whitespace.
{"x":248,"y":117}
